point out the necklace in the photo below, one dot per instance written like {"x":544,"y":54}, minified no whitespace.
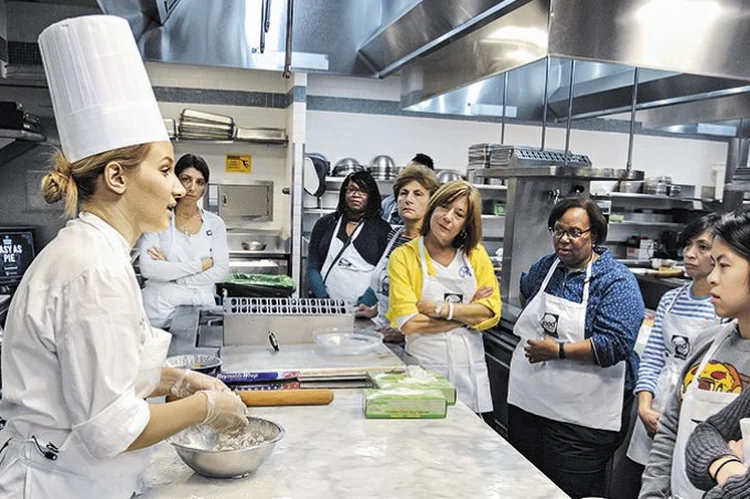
{"x":190,"y":224}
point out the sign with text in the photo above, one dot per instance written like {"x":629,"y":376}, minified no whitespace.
{"x":239,"y":164}
{"x":16,"y":253}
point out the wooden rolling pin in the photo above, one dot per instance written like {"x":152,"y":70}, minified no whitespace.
{"x":259,"y":398}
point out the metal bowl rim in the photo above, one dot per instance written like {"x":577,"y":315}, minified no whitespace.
{"x":265,"y":444}
{"x":215,"y":361}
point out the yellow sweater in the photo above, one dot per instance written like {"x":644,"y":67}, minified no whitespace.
{"x":405,"y":276}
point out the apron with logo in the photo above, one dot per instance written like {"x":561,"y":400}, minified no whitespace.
{"x":564,"y":390}
{"x":457,"y":354}
{"x":345,"y":273}
{"x":161,"y":298}
{"x":679,"y":334}
{"x":74,"y":472}
{"x":697,"y":406}
{"x":381,"y":284}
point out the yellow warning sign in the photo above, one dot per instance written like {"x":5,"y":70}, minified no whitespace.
{"x":239,"y":164}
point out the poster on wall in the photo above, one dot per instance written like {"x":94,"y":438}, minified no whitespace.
{"x":238,"y":163}
{"x":16,"y":252}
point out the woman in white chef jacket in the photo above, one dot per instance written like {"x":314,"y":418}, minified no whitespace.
{"x":183,"y":263}
{"x":346,"y":245}
{"x":682,"y":315}
{"x":573,"y":372}
{"x":412,"y":190}
{"x":434,"y":281}
{"x":79,"y":356}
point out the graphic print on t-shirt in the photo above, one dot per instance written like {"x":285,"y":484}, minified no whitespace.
{"x":716,"y":377}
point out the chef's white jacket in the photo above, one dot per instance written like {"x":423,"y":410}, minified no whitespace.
{"x":181,"y":280}
{"x":72,"y":341}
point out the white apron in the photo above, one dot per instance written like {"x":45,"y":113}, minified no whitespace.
{"x":345,"y":273}
{"x":74,"y":472}
{"x":679,"y":334}
{"x":459,"y":353}
{"x":697,"y":406}
{"x":381,"y":284}
{"x":564,"y":390}
{"x":160,"y":299}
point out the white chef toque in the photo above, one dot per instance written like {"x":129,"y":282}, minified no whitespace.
{"x":100,"y":91}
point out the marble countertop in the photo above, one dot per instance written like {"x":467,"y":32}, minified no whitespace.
{"x":335,"y":452}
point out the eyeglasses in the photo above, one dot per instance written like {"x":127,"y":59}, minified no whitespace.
{"x":355,"y":192}
{"x":574,"y":233}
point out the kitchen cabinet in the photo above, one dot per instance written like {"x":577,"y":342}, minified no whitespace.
{"x":499,"y":344}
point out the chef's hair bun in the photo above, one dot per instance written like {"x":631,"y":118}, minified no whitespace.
{"x":58,"y":183}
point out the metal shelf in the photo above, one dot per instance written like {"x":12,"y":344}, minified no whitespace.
{"x":649,"y":197}
{"x":674,"y":225}
{"x":230,"y":142}
{"x":7,"y":133}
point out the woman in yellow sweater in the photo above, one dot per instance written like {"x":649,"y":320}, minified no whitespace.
{"x":444,"y":292}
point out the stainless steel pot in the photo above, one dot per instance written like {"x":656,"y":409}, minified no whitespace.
{"x":445,"y":176}
{"x":382,"y":161}
{"x":346,"y":166}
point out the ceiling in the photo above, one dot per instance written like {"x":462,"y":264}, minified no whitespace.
{"x":455,"y":56}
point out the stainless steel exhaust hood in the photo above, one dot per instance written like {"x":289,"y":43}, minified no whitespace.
{"x":688,"y":51}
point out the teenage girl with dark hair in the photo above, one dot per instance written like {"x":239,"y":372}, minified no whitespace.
{"x":682,"y":315}
{"x":713,"y":377}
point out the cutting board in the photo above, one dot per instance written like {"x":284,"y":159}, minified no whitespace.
{"x":307,"y":360}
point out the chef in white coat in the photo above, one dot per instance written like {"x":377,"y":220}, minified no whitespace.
{"x":184,"y":262}
{"x":79,"y":356}
{"x":434,"y":299}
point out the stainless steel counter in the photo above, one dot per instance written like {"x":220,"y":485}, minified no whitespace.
{"x":334,"y":452}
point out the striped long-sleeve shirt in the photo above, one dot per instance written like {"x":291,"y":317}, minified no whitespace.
{"x":654,"y":354}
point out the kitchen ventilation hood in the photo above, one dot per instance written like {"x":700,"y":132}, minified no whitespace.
{"x":687,"y":51}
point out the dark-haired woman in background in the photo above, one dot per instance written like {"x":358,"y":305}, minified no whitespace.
{"x":346,"y":245}
{"x":713,"y":377}
{"x":573,"y":372}
{"x":183,"y":263}
{"x":683,"y":314}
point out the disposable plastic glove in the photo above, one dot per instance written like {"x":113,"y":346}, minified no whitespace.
{"x":191,"y":382}
{"x":224,"y":410}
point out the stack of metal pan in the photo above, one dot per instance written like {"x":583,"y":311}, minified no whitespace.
{"x":383,"y":168}
{"x":346,"y":166}
{"x":205,"y":126}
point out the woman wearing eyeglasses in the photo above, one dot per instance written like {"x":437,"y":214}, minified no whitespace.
{"x":573,"y":372}
{"x":183,"y":263}
{"x":346,"y":245}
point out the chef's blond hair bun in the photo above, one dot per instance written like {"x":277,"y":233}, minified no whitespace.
{"x":76,"y":182}
{"x":57,"y":185}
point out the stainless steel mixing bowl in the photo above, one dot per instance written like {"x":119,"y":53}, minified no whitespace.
{"x":195,"y":447}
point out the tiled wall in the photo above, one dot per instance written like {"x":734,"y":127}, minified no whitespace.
{"x":351,"y":117}
{"x":253,"y":99}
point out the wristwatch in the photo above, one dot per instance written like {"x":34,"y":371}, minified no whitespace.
{"x":561,"y":350}
{"x":439,"y":309}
